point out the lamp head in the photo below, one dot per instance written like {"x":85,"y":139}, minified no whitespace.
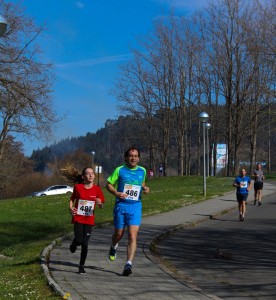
{"x":203,"y":117}
{"x":3,"y":26}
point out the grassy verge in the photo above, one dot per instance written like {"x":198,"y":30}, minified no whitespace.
{"x":28,"y":225}
{"x":270,"y":176}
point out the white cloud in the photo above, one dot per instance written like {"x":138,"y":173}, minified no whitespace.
{"x":79,"y":4}
{"x":95,"y":61}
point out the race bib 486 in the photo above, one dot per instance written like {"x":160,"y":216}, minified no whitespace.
{"x":132,"y":191}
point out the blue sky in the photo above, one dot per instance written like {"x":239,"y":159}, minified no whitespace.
{"x":87,"y":41}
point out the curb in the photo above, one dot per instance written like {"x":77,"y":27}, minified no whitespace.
{"x":148,"y":250}
{"x":151,"y":253}
{"x":44,"y":262}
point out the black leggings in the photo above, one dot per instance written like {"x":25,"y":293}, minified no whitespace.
{"x":82,"y":235}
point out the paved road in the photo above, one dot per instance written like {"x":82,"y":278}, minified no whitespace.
{"x":247,"y":267}
{"x":152,"y":280}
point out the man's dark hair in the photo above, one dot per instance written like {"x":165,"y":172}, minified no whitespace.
{"x":131,"y":149}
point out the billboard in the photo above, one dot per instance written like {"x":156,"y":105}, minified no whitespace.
{"x":221,"y":158}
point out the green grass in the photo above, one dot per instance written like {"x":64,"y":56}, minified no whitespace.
{"x":270,"y":176}
{"x":28,"y":225}
{"x":168,"y":193}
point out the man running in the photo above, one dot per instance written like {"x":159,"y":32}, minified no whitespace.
{"x":126,"y":183}
{"x":258,"y":184}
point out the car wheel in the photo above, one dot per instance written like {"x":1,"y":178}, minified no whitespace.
{"x":43,"y":195}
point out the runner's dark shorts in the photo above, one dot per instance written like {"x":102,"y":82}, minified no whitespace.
{"x":242,"y":197}
{"x":258,"y":185}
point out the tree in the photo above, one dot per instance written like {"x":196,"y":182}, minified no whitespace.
{"x":234,"y":34}
{"x":156,"y":88}
{"x":25,"y":82}
{"x":218,"y":61}
{"x":221,"y":62}
{"x":14,"y":167}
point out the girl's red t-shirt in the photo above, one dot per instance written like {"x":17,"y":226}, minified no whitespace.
{"x":86,"y":203}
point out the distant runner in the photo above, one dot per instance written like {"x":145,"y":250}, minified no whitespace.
{"x":243,"y":185}
{"x":126,"y":183}
{"x":258,"y":184}
{"x":82,"y":206}
{"x":161,"y":170}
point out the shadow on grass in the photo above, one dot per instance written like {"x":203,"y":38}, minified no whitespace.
{"x":12,"y":233}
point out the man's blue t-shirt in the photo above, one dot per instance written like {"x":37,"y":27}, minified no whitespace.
{"x":128,"y":181}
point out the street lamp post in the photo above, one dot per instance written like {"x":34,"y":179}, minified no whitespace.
{"x":98,"y":175}
{"x":208,"y":127}
{"x":98,"y":172}
{"x":93,"y":157}
{"x":3,"y":26}
{"x":203,"y":117}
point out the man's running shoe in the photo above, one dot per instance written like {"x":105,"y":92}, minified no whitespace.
{"x":81,"y":270}
{"x":73,"y":248}
{"x":112,"y":253}
{"x":242,"y":218}
{"x":255,"y":201}
{"x":127,"y":270}
{"x":259,"y":203}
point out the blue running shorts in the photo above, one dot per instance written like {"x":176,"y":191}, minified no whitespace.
{"x":126,"y":214}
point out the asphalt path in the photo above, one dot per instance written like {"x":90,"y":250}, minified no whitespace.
{"x":246,"y":265}
{"x":187,"y":268}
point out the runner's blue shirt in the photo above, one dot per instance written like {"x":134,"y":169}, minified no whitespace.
{"x":244,"y":183}
{"x":128,"y":180}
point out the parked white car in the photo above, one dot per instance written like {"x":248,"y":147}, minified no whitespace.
{"x":55,"y":190}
